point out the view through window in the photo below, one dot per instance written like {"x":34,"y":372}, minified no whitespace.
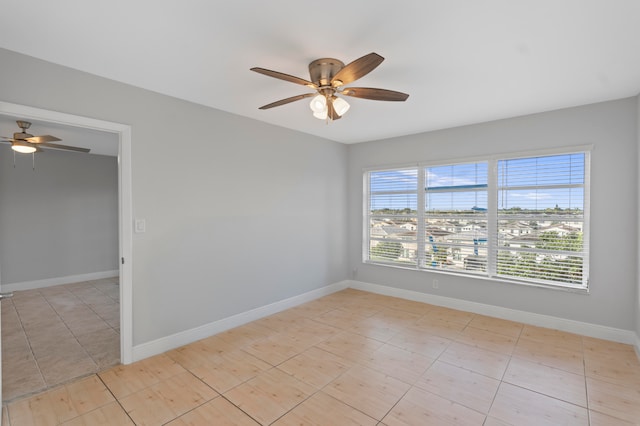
{"x":521,"y":219}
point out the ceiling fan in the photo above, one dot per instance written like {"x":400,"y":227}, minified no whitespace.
{"x":26,"y":143}
{"x":328,"y":77}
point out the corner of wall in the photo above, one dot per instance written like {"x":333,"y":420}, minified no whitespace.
{"x":49,"y":282}
{"x":173,"y":341}
{"x":637,"y":318}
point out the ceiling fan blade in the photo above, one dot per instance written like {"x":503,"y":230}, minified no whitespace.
{"x":65,"y":147}
{"x":285,"y":77}
{"x":41,"y":139}
{"x":287,"y":100}
{"x":331,"y":111}
{"x":357,"y":69}
{"x":375,"y":94}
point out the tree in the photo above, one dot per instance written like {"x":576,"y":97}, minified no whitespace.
{"x":396,"y":212}
{"x":551,"y":240}
{"x":387,"y":250}
{"x":556,"y":267}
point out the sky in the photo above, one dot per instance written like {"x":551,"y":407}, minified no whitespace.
{"x":528,"y":183}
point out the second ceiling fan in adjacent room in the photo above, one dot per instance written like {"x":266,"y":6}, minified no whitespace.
{"x":26,"y":143}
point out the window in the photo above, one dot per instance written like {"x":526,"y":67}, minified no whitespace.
{"x":393,"y":215}
{"x":521,"y":219}
{"x":455,"y":217}
{"x":541,"y":218}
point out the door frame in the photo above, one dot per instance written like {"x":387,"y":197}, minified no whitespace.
{"x":125,"y":215}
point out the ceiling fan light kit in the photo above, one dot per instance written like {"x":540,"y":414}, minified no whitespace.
{"x":320,"y":109}
{"x":23,"y":147}
{"x":341,"y":106}
{"x":328,"y":76}
{"x":318,"y":103}
{"x":25,"y":143}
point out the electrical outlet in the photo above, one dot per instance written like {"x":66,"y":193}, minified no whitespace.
{"x":435,"y":283}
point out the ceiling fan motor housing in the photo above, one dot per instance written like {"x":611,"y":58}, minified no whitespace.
{"x":24,"y":125}
{"x":22,"y":135}
{"x":323,"y":70}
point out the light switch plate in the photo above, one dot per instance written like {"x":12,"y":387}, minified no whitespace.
{"x":140,"y":226}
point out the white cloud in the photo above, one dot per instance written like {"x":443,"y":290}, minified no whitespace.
{"x":534,"y":196}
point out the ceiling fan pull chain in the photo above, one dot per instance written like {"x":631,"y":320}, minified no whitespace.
{"x":328,"y":100}
{"x":14,"y":159}
{"x":33,"y":160}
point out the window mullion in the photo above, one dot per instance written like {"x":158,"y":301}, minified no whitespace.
{"x":421,"y":234}
{"x":492,"y":218}
{"x":366,"y":201}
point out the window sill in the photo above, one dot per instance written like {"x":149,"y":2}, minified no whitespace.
{"x":569,"y":289}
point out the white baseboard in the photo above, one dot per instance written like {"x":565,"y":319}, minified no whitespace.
{"x":158,"y":346}
{"x":49,"y":282}
{"x":176,"y":340}
{"x":547,"y":321}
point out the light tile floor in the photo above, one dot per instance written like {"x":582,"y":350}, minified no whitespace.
{"x":56,"y":334}
{"x":357,"y":358}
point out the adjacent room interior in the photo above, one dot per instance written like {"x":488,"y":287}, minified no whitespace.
{"x":313,"y":262}
{"x":59,"y":251}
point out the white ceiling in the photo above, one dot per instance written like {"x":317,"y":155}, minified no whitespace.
{"x":462,"y":62}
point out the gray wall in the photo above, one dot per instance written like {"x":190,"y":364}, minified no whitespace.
{"x":611,"y":128}
{"x":60,"y":219}
{"x":241,"y":216}
{"x":228,"y":220}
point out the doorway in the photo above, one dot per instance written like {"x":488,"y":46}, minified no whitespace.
{"x":124,"y":285}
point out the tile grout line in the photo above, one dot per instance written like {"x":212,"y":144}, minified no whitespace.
{"x":44,"y":297}
{"x":71,"y":332}
{"x":323,"y":387}
{"x":355,"y":363}
{"x":88,"y":306}
{"x":247,"y":414}
{"x":218,"y":394}
{"x":317,"y":390}
{"x":35,"y":360}
{"x":450,"y":341}
{"x":114,"y":397}
{"x":586,"y":383}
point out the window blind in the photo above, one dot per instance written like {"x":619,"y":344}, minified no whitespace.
{"x":521,"y":219}
{"x":455,"y":219}
{"x":392,"y":217}
{"x":541,"y":219}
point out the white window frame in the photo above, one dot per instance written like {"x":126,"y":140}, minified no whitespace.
{"x":367,"y":217}
{"x":492,"y":217}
